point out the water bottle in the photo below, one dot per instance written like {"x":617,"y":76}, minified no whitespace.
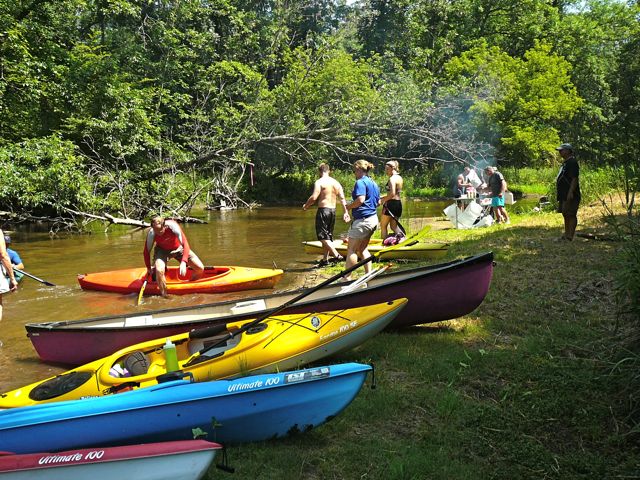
{"x":171,"y":356}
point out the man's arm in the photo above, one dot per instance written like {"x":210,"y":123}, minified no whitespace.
{"x":359,"y":200}
{"x":341,"y":197}
{"x":572,"y":188}
{"x":314,"y":195}
{"x":343,"y":201}
{"x":572,"y":172}
{"x":16,"y":261}
{"x":6,"y":262}
{"x":148,"y":244}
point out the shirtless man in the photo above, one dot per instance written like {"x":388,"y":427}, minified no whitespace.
{"x":326,"y":191}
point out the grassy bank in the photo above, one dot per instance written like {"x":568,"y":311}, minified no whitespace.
{"x":525,"y":387}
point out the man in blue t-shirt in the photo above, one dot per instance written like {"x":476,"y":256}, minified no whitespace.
{"x":16,"y":261}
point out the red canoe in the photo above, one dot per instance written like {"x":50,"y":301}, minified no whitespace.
{"x":435,"y":292}
{"x":214,"y":280}
{"x":186,"y":459}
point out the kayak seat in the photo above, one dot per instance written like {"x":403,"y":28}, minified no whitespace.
{"x":197,"y":345}
{"x":59,"y":385}
{"x":137,"y":363}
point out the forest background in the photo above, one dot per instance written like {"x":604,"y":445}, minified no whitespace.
{"x":132,"y":107}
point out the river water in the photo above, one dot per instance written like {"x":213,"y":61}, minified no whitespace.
{"x":257,"y":238}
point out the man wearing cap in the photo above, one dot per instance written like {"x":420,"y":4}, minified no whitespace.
{"x":568,"y":190}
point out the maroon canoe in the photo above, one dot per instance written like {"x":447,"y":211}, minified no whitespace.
{"x":436,"y":292}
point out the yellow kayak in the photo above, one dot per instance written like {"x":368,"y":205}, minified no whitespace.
{"x":277,"y":343}
{"x":412,"y":249}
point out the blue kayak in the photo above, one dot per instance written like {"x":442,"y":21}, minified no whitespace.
{"x":247,"y":409}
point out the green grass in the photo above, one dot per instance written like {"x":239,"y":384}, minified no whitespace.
{"x":523,"y":388}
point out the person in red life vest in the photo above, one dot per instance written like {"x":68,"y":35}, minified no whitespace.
{"x":170,"y":242}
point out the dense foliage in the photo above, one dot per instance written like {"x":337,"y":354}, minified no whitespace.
{"x":141,"y":105}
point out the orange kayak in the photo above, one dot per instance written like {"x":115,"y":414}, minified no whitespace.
{"x":214,"y":280}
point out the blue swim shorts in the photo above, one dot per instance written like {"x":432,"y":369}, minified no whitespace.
{"x":497,"y":201}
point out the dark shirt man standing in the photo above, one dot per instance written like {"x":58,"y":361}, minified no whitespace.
{"x":568,"y":190}
{"x":497,"y":185}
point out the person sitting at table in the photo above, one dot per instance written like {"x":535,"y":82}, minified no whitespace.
{"x":459,"y":186}
{"x":459,"y":189}
{"x":472,"y":179}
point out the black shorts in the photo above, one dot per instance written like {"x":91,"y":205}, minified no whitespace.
{"x":325,"y":222}
{"x":393,"y":206}
{"x":569,"y":207}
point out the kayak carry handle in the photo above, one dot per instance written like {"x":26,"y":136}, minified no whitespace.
{"x":175,"y":375}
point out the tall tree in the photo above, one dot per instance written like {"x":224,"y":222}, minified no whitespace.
{"x":592,"y":39}
{"x":518,"y":103}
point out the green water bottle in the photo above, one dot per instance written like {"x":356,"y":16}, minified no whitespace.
{"x":171,"y":356}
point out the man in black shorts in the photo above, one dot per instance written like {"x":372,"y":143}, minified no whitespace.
{"x":326,"y":191}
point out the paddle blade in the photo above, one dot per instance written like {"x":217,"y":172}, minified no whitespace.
{"x":140,"y":295}
{"x":26,"y":274}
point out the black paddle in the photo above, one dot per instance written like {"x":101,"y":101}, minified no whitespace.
{"x":386,"y":211}
{"x":48,"y":284}
{"x":247,"y":326}
{"x":207,"y":332}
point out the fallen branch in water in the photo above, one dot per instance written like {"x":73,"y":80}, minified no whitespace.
{"x":72,"y":222}
{"x":593,"y":236}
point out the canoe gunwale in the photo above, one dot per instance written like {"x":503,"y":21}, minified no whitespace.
{"x":34,"y":327}
{"x":438,"y":292}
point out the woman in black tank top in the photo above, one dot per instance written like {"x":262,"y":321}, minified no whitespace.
{"x":392,"y":205}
